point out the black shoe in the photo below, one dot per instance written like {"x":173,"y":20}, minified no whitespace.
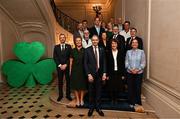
{"x":59,"y":98}
{"x":100,"y":112}
{"x":90,"y":112}
{"x":69,"y":98}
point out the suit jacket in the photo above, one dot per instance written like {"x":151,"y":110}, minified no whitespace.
{"x":129,"y":42}
{"x":120,"y":63}
{"x":90,"y":61}
{"x":62,"y":57}
{"x":94,"y":32}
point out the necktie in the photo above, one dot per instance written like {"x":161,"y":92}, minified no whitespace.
{"x":87,"y":41}
{"x":63,"y":47}
{"x":96,"y":56}
{"x":114,"y":37}
{"x":131,"y":39}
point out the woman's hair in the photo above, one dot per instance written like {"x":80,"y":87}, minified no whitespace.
{"x":77,"y":38}
{"x":116,"y":41}
{"x":133,"y":40}
{"x":103,"y":32}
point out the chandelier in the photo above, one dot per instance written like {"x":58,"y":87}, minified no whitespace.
{"x":97,"y":8}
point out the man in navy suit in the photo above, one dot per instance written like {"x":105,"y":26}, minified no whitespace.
{"x":96,"y":29}
{"x":61,"y":57}
{"x":95,"y":68}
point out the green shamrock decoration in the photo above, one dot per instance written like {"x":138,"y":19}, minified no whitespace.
{"x":29,"y":69}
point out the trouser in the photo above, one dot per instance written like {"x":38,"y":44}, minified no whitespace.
{"x":60,"y":82}
{"x":134,"y":88}
{"x":95,"y":92}
{"x":115,"y":85}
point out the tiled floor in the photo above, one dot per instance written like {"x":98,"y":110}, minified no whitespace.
{"x":35,"y":103}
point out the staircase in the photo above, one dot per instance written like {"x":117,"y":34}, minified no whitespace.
{"x":67,"y":22}
{"x":70,"y":25}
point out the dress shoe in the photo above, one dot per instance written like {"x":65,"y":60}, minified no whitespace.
{"x":59,"y":98}
{"x":100,"y":112}
{"x":90,"y":112}
{"x":69,"y":98}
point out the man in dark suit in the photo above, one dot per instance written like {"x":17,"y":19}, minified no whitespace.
{"x":79,"y":32}
{"x":95,"y":68}
{"x":120,"y":38}
{"x":133,"y":32}
{"x":61,"y":57}
{"x":85,"y":25}
{"x":96,"y":29}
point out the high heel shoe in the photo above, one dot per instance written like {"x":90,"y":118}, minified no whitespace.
{"x":82,"y":103}
{"x":77,"y":104}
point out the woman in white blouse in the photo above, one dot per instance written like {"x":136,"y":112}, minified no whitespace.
{"x":115,"y":68}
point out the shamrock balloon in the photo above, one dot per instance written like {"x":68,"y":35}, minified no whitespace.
{"x":29,"y":69}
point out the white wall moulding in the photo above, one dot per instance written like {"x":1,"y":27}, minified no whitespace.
{"x":164,"y":100}
{"x":167,"y":89}
{"x":148,"y":38}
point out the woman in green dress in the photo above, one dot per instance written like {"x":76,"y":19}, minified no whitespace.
{"x":78,"y":80}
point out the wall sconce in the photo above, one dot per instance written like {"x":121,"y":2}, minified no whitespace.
{"x":97,"y":8}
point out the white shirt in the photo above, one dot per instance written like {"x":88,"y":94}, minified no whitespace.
{"x":84,"y":43}
{"x":81,"y":33}
{"x":97,"y":29}
{"x":114,"y":53}
{"x":115,"y":36}
{"x":126,"y":35}
{"x":63,"y":46}
{"x":97,"y":49}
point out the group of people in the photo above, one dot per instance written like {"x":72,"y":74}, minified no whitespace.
{"x":103,"y":55}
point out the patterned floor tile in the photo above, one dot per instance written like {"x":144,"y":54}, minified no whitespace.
{"x":34,"y":103}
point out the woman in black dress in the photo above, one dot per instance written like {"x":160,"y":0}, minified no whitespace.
{"x":116,"y":68}
{"x":78,"y":80}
